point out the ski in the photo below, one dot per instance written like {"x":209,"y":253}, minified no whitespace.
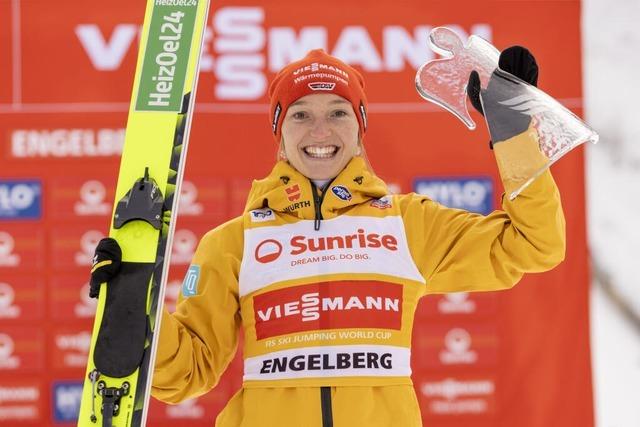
{"x":117,"y":383}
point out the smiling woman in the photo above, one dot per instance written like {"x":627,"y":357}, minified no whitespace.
{"x":320,"y":135}
{"x":321,"y":245}
{"x":324,"y":107}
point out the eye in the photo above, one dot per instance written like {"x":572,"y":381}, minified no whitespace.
{"x":299,"y":115}
{"x":340,"y":113}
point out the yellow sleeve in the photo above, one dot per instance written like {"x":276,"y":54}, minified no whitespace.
{"x":460,"y":251}
{"x":199,"y":340}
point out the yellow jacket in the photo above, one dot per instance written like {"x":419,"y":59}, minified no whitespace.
{"x":327,"y":306}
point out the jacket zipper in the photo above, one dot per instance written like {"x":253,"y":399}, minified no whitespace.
{"x":317,"y":202}
{"x":325,"y":401}
{"x":325,"y":392}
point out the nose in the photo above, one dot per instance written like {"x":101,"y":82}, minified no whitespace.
{"x":320,"y":129}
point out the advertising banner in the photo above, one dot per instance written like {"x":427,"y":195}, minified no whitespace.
{"x":516,"y":357}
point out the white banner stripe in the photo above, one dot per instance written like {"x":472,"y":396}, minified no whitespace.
{"x":330,"y":361}
{"x":367,"y":253}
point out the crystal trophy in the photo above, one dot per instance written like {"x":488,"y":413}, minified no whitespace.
{"x":551,"y":129}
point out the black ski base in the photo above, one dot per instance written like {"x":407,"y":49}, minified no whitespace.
{"x":122,"y":337}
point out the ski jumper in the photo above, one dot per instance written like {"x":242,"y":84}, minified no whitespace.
{"x":325,"y":286}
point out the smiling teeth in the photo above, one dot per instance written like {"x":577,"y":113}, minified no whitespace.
{"x":321,"y":152}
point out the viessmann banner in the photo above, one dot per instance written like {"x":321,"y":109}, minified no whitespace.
{"x":518,"y":357}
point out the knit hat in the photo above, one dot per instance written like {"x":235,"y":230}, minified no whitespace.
{"x":318,"y":72}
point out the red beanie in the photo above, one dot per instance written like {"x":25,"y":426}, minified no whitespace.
{"x":317,"y":72}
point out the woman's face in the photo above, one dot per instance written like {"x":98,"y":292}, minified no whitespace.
{"x":320,"y":135}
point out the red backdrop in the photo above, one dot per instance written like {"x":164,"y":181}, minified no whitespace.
{"x":517,"y":357}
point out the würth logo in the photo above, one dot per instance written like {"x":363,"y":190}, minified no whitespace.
{"x":293,"y":192}
{"x":328,"y":305}
{"x":267,"y":251}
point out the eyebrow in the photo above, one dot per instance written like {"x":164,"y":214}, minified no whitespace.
{"x":335,"y":101}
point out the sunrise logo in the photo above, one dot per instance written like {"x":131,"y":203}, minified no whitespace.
{"x":268,"y":251}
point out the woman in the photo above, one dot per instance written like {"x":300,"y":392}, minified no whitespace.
{"x":324,"y":269}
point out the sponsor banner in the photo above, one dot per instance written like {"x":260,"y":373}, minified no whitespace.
{"x":185,"y":241}
{"x":171,"y":293}
{"x":71,"y":300}
{"x":458,"y":304}
{"x":73,"y":246}
{"x":342,"y":245}
{"x":21,"y":247}
{"x":73,"y":198}
{"x":21,"y":400}
{"x":238,"y":192}
{"x":53,"y":126}
{"x":163,"y":75}
{"x":67,"y":396}
{"x":189,"y":410}
{"x":7,"y":89}
{"x":203,"y":408}
{"x":330,"y":361}
{"x":101,"y":46}
{"x":174,"y":286}
{"x":243,"y":47}
{"x":469,"y":193}
{"x":71,"y":348}
{"x":63,"y":143}
{"x":457,"y":396}
{"x":22,"y":298}
{"x":81,"y":197}
{"x":21,"y":349}
{"x":328,"y":305}
{"x":20,"y":199}
{"x":203,"y":197}
{"x":463,"y":345}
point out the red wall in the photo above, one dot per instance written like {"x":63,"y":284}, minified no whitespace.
{"x":66,"y":72}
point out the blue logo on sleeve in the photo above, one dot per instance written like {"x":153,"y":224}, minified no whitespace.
{"x":190,"y":284}
{"x":262,"y":215}
{"x":471,"y":194}
{"x":66,"y":401}
{"x":20,"y":199}
{"x":341,"y":192}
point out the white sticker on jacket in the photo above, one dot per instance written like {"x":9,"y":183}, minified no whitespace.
{"x":345,"y":244}
{"x":262,"y":215}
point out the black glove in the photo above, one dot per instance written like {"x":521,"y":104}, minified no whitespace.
{"x":106,"y":264}
{"x":516,"y":61}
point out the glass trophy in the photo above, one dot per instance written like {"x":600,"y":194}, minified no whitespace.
{"x":551,"y":129}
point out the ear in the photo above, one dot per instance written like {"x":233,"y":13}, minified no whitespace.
{"x":359,"y":146}
{"x":282,"y":155}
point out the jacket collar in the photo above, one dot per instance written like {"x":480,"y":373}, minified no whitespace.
{"x":287,"y":190}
